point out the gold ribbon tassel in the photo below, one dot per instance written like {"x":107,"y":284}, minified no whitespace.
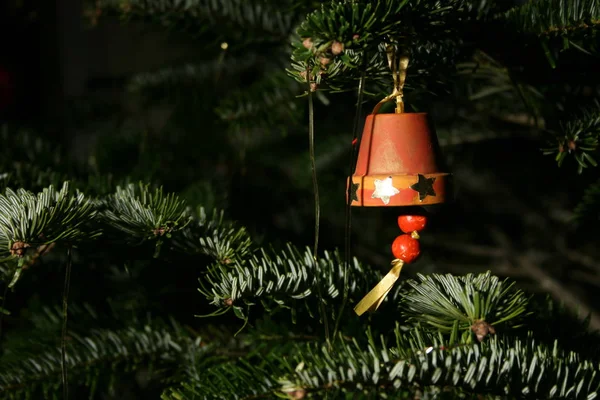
{"x":374,"y":298}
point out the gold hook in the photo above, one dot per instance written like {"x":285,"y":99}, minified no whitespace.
{"x":398,"y":66}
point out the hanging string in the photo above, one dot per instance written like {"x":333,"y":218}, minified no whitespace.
{"x":348,"y":217}
{"x":63,"y":339}
{"x":221,"y":61}
{"x":313,"y":167}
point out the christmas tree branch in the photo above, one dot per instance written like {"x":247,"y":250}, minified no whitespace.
{"x":91,"y":358}
{"x":578,"y":138}
{"x":556,"y":17}
{"x":465,"y":304}
{"x":333,"y":40}
{"x":140,"y":214}
{"x":526,"y":265}
{"x":282,"y":279}
{"x":559,"y":24}
{"x":213,"y":236}
{"x":30,"y":220}
{"x":234,"y":19}
{"x":419,"y":361}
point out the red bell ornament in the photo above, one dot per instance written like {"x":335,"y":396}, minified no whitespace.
{"x":398,"y":163}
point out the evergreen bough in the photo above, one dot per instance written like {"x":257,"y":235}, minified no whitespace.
{"x":442,"y":336}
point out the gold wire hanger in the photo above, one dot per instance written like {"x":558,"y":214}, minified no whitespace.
{"x":398,"y":65}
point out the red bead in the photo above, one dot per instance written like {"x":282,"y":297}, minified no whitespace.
{"x":406,"y":248}
{"x":411,"y":223}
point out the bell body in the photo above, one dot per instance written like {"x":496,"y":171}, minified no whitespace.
{"x":398,"y":163}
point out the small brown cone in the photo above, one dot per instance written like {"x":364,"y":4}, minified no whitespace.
{"x":324,"y":61}
{"x":18,"y":248}
{"x":482,"y":329}
{"x":308,"y":43}
{"x":298,"y":394}
{"x":337,"y":48}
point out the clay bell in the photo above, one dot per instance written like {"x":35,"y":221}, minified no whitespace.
{"x":398,"y":163}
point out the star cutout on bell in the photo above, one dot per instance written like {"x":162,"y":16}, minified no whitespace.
{"x":384,"y":190}
{"x":353,"y":190}
{"x":424,"y":187}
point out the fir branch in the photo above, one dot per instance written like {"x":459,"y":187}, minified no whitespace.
{"x":13,"y":267}
{"x":470,"y":304}
{"x":268,"y":337}
{"x":283,"y":279}
{"x":250,"y":372}
{"x":332,"y":41}
{"x":212,"y":236}
{"x":92,"y":360}
{"x":429,"y":66}
{"x":578,"y":137}
{"x":227,"y":381}
{"x":560,"y":24}
{"x":508,"y":367}
{"x":142,"y":214}
{"x":29,"y":220}
{"x":556,"y":17}
{"x":359,"y":25}
{"x":238,"y":20}
{"x":43,"y":327}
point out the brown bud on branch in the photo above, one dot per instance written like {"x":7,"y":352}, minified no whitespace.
{"x":308,"y":43}
{"x":337,"y":48}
